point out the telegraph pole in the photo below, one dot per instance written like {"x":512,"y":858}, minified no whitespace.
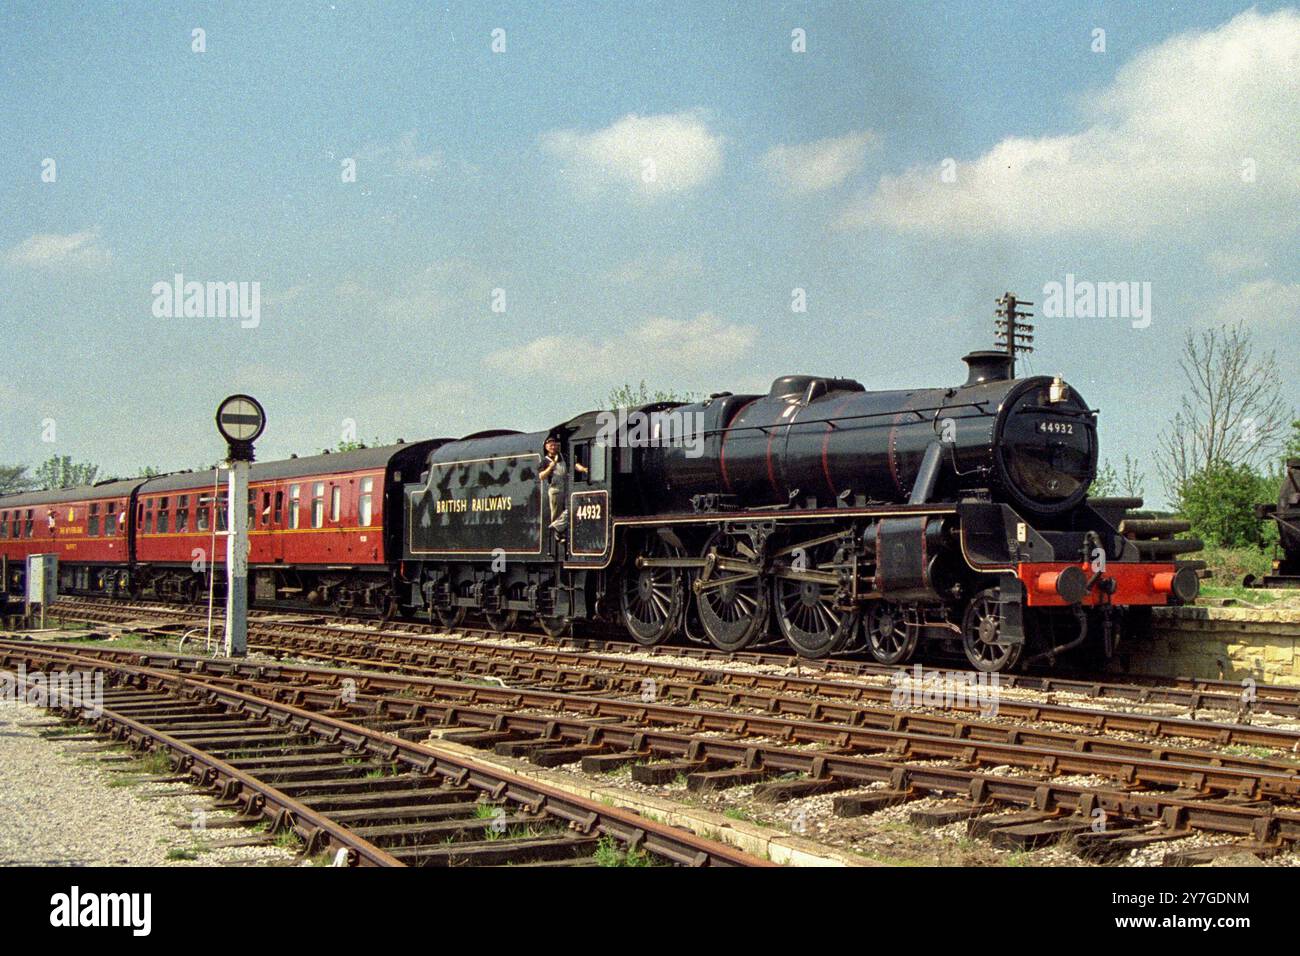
{"x":240,"y":419}
{"x":1013,"y":335}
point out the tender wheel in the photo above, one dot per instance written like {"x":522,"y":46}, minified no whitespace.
{"x":501,"y":621}
{"x":806,"y":610}
{"x":555,"y":627}
{"x":653,"y":598}
{"x":505,"y":620}
{"x":450,"y":617}
{"x":889,"y":638}
{"x":981,"y":630}
{"x":733,"y":606}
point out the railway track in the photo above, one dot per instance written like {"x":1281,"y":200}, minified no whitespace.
{"x":356,"y":791}
{"x":1194,"y":694}
{"x":1145,"y":792}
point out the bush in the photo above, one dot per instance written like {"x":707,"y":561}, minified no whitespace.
{"x":1220,"y":500}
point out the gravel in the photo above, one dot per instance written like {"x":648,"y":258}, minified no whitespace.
{"x":62,"y":806}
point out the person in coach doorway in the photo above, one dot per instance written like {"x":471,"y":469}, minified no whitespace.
{"x":555,"y":472}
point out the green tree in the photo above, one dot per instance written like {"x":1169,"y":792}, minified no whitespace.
{"x":625,"y":396}
{"x":14,"y":478}
{"x":1231,"y":409}
{"x":1127,"y":482}
{"x":358,"y":445}
{"x":1219,"y":502}
{"x":1106,"y":484}
{"x":1292,"y":447}
{"x":60,"y":471}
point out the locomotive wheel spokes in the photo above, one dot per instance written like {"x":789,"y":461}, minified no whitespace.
{"x":653,"y":598}
{"x":733,"y":606}
{"x":806,"y":610}
{"x":889,"y":638}
{"x":981,"y":631}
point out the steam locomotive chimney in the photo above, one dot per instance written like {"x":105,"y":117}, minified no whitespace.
{"x":987,"y":367}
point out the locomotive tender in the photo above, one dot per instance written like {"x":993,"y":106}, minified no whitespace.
{"x":819,"y":512}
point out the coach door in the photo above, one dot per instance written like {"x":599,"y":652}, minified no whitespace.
{"x":589,"y":512}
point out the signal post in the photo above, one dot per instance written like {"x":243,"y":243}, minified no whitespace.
{"x":240,"y":420}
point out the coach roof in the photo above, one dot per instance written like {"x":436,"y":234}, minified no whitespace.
{"x":362,"y":459}
{"x":106,"y":489}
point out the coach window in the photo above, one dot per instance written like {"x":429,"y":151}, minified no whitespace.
{"x":92,"y":521}
{"x":221,"y":517}
{"x":252,"y":507}
{"x":364,"y":506}
{"x":162,"y":515}
{"x":266,"y":508}
{"x":110,"y":519}
{"x":295,"y":504}
{"x":318,"y":504}
{"x":336,"y":498}
{"x":183,"y":513}
{"x":4,"y":524}
{"x":148,"y":516}
{"x":27,"y":531}
{"x":201,"y":515}
{"x":279,"y":508}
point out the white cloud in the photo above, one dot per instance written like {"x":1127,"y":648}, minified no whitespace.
{"x":812,"y":167}
{"x":1226,"y":262}
{"x":679,"y":345}
{"x":1267,"y":302}
{"x":407,"y":157}
{"x":1173,"y":140}
{"x":653,"y":269}
{"x":53,"y":249}
{"x":648,"y":155}
{"x":403,"y":156}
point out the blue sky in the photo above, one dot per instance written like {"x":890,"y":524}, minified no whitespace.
{"x":525,"y":171}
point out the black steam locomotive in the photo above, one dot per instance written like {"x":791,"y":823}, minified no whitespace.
{"x":819,"y":512}
{"x":1286,"y":569}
